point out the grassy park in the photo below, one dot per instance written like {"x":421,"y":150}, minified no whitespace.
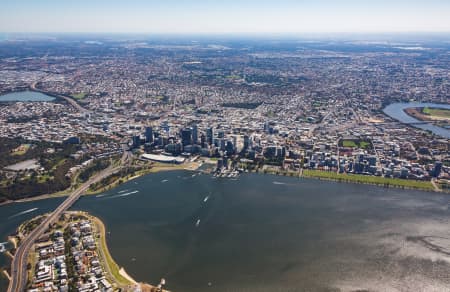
{"x":437,"y":112}
{"x":368,"y":179}
{"x":79,"y":96}
{"x":356,"y":144}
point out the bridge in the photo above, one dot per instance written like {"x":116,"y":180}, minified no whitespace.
{"x":19,"y":263}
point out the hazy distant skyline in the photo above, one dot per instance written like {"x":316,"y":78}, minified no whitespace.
{"x":232,"y":16}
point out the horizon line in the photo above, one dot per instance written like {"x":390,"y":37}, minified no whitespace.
{"x":308,"y":33}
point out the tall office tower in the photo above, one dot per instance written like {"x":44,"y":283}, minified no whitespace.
{"x":186,"y":136}
{"x":210,"y":136}
{"x":149,"y":134}
{"x":246,"y":142}
{"x":194,"y":134}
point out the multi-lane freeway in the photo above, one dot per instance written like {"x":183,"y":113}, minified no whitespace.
{"x":72,"y":102}
{"x":19,"y":263}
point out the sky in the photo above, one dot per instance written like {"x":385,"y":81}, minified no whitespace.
{"x":224,"y":16}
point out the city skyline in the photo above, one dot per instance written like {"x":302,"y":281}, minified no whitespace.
{"x":201,"y":145}
{"x":232,"y":17}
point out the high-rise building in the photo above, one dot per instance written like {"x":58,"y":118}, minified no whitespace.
{"x":194,"y":134}
{"x":186,"y":136}
{"x":203,"y":140}
{"x":149,"y":134}
{"x":209,"y":136}
{"x":136,"y":141}
{"x":222,"y":144}
{"x":229,"y":148}
{"x":246,"y":142}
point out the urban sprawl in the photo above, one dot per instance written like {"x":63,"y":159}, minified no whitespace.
{"x":301,"y":107}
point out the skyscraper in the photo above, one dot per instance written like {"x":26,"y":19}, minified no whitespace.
{"x":136,"y":141}
{"x":149,"y":134}
{"x":246,"y":142}
{"x":209,"y":136}
{"x":194,"y":134}
{"x":186,"y":136}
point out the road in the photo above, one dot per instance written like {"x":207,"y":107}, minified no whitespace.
{"x":19,"y":263}
{"x":322,"y":122}
{"x":68,"y":99}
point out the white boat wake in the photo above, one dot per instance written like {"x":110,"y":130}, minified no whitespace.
{"x":278,"y":183}
{"x":125,"y":194}
{"x":23,"y":212}
{"x":3,"y":247}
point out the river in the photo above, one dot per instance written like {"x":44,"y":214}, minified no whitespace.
{"x":397,"y":112}
{"x":268,"y":233}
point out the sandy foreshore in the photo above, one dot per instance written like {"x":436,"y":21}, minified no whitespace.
{"x":119,"y":275}
{"x":126,"y":276}
{"x":5,"y":272}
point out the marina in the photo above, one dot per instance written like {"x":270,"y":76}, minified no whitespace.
{"x":226,"y":173}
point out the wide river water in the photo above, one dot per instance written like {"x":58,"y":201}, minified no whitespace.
{"x":268,"y":233}
{"x":397,"y":111}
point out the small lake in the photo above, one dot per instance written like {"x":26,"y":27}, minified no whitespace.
{"x":25,"y":96}
{"x":397,"y":111}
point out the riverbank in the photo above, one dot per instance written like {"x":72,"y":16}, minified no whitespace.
{"x":7,"y":276}
{"x":315,"y":174}
{"x":118,"y":274}
{"x":69,"y":99}
{"x":398,"y":112}
{"x":152,"y":230}
{"x":114,"y":273}
{"x":371,"y":180}
{"x":358,"y":179}
{"x":158,"y":168}
{"x":113,"y":269}
{"x":430,"y":115}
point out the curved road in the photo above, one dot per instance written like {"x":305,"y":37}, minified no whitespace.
{"x":19,"y":263}
{"x":68,"y":99}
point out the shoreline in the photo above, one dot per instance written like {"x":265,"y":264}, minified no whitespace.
{"x":114,"y":270}
{"x":70,"y":100}
{"x":415,"y":122}
{"x":388,"y":186}
{"x":349,"y":180}
{"x":111,"y":266}
{"x":417,"y":113}
{"x":5,"y":273}
{"x":187,"y":168}
{"x":116,"y":273}
{"x":63,"y":194}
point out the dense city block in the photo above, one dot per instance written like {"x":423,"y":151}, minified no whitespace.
{"x":302,"y":107}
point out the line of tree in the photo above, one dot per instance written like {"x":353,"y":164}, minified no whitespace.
{"x":96,"y":166}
